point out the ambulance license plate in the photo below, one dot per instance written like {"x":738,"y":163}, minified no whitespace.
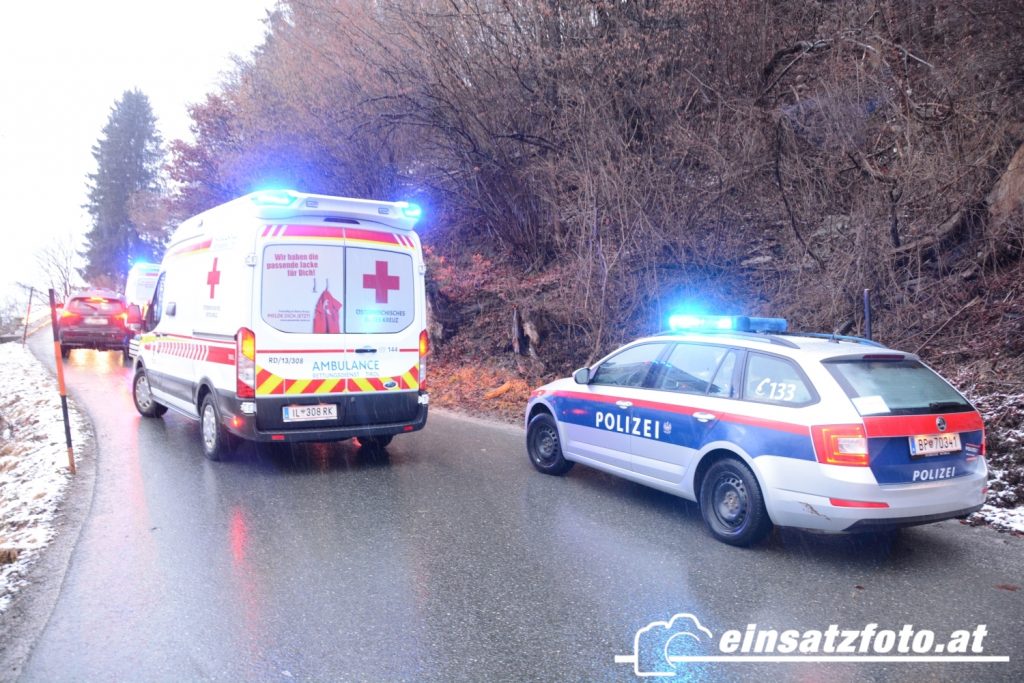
{"x":321,"y":411}
{"x":95,"y":321}
{"x":933,"y":444}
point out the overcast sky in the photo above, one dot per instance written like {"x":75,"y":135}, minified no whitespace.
{"x":62,"y":67}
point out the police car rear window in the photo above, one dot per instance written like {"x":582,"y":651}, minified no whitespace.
{"x":904,"y":387}
{"x":770,"y":379}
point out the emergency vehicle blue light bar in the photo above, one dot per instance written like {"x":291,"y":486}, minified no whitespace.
{"x":274,"y":198}
{"x":736,"y":323}
{"x":410,"y":210}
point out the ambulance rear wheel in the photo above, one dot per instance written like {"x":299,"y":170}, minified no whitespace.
{"x":544,"y":447}
{"x":143,"y":397}
{"x":217,"y":441}
{"x":732,"y":504}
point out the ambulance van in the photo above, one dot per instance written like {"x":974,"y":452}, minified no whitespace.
{"x":288,"y":317}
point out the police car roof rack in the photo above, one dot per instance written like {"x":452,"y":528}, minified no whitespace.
{"x":839,"y":338}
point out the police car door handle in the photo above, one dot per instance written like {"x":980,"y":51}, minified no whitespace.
{"x":624,"y":404}
{"x":704,"y":417}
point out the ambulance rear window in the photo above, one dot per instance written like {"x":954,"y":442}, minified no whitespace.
{"x":903,"y":387}
{"x":327,"y":289}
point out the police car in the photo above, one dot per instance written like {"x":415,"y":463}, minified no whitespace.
{"x":762,"y":427}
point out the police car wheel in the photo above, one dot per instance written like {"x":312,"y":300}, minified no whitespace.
{"x":217,"y":442}
{"x":732,"y":504}
{"x":143,"y":397}
{"x":543,"y":446}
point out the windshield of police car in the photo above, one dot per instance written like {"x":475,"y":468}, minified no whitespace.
{"x":901,"y":387}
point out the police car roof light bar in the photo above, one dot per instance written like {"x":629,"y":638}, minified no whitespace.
{"x":720,"y":323}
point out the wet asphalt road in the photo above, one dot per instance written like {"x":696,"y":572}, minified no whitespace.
{"x":451,"y":559}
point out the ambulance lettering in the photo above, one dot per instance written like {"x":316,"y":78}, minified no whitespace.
{"x":934,"y":473}
{"x":628,"y":424}
{"x":329,"y":366}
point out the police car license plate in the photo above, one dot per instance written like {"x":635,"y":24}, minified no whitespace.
{"x":932,"y":444}
{"x":95,"y":321}
{"x":321,"y":411}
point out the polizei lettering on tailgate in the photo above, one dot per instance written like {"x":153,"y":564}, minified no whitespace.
{"x":626,"y":424}
{"x":934,"y":473}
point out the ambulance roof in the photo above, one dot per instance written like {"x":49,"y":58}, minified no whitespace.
{"x":283,"y":205}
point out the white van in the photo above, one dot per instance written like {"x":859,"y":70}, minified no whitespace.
{"x":285,"y":317}
{"x":141,"y":284}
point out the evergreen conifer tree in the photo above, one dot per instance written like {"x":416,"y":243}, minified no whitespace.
{"x":128,"y":157}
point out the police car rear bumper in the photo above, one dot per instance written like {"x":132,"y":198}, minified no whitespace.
{"x":833,"y":498}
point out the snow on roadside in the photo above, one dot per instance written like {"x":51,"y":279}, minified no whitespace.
{"x":33,"y":463}
{"x":1004,"y":432}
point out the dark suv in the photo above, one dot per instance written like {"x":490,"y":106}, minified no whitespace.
{"x":95,"y":319}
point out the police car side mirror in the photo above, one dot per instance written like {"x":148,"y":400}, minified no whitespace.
{"x":582,"y":376}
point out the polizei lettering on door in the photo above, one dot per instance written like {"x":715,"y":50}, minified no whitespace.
{"x":627,"y":424}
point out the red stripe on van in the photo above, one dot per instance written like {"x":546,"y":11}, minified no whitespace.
{"x":189,"y":248}
{"x":312,"y":231}
{"x":372,"y":236}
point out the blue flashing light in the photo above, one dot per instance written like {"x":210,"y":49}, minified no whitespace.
{"x":410,"y":210}
{"x":718,"y":323}
{"x":274,"y":198}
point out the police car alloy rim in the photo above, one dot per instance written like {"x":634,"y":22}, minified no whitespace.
{"x":545,"y":444}
{"x":729,"y":501}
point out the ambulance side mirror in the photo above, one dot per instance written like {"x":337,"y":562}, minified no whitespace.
{"x":582,"y":376}
{"x":134,"y":314}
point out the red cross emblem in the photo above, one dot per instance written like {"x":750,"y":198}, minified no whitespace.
{"x":381,"y":282}
{"x":213,"y":277}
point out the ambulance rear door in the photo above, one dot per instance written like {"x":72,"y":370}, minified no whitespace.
{"x":337,"y":316}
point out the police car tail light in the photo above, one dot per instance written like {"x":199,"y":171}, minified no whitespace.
{"x":841,"y":445}
{"x":245,"y":363}
{"x":424,"y":350}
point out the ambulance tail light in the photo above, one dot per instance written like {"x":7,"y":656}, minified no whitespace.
{"x":841,"y":445}
{"x":245,"y":363}
{"x":424,"y":350}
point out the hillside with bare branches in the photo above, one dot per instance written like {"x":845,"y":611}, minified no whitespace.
{"x":588,"y":167}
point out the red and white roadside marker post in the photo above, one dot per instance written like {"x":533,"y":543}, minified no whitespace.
{"x":60,"y":382}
